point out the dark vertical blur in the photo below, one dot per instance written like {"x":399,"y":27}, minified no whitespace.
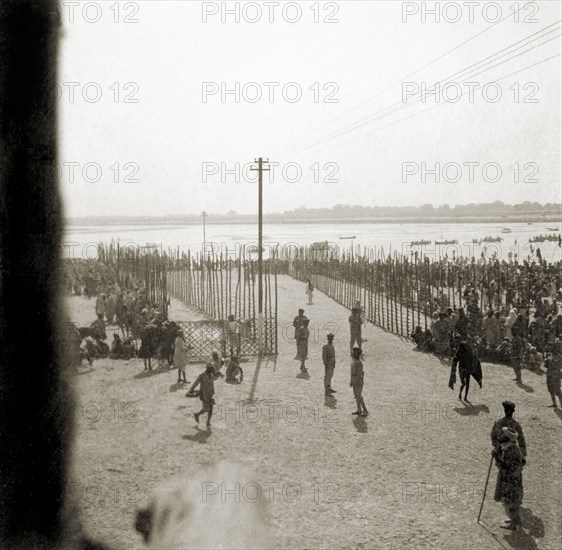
{"x":35,"y":407}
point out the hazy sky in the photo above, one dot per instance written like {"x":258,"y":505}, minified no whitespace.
{"x":145,"y":142}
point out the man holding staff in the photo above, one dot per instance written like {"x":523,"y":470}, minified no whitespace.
{"x":509,"y":451}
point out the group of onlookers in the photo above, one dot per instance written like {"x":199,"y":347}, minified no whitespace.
{"x":521,"y":338}
{"x":493,"y":332}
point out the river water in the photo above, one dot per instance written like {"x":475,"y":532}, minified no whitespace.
{"x":81,"y":241}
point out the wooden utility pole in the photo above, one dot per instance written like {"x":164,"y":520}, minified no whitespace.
{"x":260,"y":169}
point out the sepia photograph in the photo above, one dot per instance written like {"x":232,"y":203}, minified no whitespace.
{"x":280,"y":275}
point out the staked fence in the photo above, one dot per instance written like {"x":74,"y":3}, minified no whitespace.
{"x":397,"y":293}
{"x":216,"y":287}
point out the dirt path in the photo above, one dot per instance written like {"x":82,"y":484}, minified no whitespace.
{"x":410,"y":475}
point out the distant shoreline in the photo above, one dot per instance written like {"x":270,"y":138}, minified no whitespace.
{"x":242,"y":220}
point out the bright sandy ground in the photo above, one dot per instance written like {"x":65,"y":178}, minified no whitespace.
{"x":411,"y":475}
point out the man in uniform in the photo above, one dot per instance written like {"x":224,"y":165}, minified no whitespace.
{"x":298,"y":322}
{"x":329,"y":360}
{"x":355,"y":323}
{"x":509,"y":450}
{"x":357,"y":375}
{"x":302,"y":336}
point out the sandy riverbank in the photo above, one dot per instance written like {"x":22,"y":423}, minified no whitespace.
{"x":410,"y":475}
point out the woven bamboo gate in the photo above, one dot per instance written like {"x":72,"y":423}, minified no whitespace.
{"x":216,"y":286}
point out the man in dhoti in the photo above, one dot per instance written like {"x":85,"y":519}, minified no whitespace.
{"x":233,"y":335}
{"x":181,"y":356}
{"x":206,"y":381}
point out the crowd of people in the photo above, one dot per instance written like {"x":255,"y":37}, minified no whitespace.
{"x":529,"y":333}
{"x":129,"y":310}
{"x":525,"y":337}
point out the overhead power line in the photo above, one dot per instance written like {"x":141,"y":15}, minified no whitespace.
{"x":463,"y":74}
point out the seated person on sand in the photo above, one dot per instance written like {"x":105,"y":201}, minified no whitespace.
{"x":532,"y":359}
{"x":121,"y":349}
{"x":417,"y":336}
{"x":116,"y":347}
{"x":427,"y":343}
{"x":234,"y":370}
{"x":98,"y":328}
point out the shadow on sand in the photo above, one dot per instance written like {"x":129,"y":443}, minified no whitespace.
{"x":360,"y":424}
{"x":177,"y":386}
{"x":201,"y":435}
{"x":531,"y":527}
{"x":153,"y":372}
{"x":303,"y":375}
{"x":330,"y":401}
{"x":469,"y":409}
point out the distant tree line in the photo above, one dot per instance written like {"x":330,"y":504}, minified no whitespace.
{"x":492,"y":209}
{"x":526,"y":211}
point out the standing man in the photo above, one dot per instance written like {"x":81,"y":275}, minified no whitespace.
{"x":309,"y":291}
{"x":302,"y":344}
{"x":509,"y":422}
{"x":207,"y":382}
{"x":298,"y":322}
{"x":510,"y":459}
{"x":469,"y":365}
{"x":233,"y":335}
{"x":355,"y":323}
{"x":101,"y":305}
{"x":361,"y":310}
{"x":357,"y":375}
{"x":510,"y":452}
{"x":181,"y":356}
{"x":553,"y":363}
{"x":517,"y":351}
{"x":329,"y":360}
